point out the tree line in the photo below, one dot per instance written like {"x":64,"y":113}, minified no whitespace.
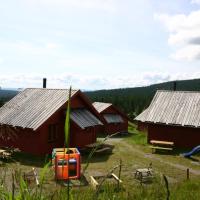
{"x":134,"y":100}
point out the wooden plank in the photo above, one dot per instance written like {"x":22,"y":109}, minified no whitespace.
{"x":162,"y":148}
{"x":116,"y":178}
{"x":103,"y":150}
{"x":93,"y":145}
{"x":144,"y":170}
{"x":93,"y":182}
{"x":161,"y":142}
{"x":36,"y":177}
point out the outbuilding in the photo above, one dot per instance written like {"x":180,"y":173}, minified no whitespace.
{"x":173,"y":116}
{"x":36,"y":119}
{"x":114,"y":120}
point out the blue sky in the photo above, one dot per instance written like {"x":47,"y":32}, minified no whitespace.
{"x":98,"y":44}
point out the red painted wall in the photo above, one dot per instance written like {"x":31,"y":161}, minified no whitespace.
{"x":114,"y":127}
{"x":81,"y":137}
{"x":142,"y":126}
{"x":181,"y":136}
{"x":118,"y":127}
{"x":36,"y":142}
{"x":26,"y":140}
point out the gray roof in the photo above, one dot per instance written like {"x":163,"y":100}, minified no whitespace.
{"x":84,"y":118}
{"x":173,"y":107}
{"x":113,"y":118}
{"x":33,"y":106}
{"x":100,"y":106}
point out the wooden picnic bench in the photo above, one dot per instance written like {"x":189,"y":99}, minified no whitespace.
{"x":161,"y":145}
{"x":4,"y":154}
{"x":144,"y":174}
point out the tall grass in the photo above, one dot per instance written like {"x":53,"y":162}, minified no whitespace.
{"x":21,"y":190}
{"x":155,"y":191}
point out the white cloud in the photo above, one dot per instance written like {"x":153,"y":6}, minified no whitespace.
{"x":106,"y":5}
{"x":29,"y":48}
{"x":1,"y":60}
{"x":79,"y":81}
{"x":195,"y":1}
{"x":189,"y":53}
{"x":52,"y":45}
{"x":184,"y":34}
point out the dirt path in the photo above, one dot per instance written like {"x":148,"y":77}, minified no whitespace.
{"x":152,"y":156}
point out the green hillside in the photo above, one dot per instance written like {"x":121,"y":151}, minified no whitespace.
{"x":134,"y":100}
{"x":130,"y":100}
{"x":6,"y":95}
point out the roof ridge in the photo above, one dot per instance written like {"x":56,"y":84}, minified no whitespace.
{"x":102,"y":102}
{"x":183,"y":91}
{"x":52,"y":89}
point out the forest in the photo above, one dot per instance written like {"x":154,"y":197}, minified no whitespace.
{"x":6,"y":95}
{"x":134,"y":100}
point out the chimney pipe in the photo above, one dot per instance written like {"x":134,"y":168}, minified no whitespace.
{"x":44,"y":82}
{"x":174,"y":85}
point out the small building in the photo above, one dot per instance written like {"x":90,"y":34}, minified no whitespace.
{"x":115,"y":121}
{"x":173,"y":116}
{"x":37,"y":119}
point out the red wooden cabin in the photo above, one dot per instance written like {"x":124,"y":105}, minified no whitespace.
{"x":37,"y":118}
{"x":114,"y":120}
{"x":173,"y":116}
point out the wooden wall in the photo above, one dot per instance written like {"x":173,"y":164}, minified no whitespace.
{"x":36,"y":142}
{"x":114,"y":127}
{"x":181,"y":136}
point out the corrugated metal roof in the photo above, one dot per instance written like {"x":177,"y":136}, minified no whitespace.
{"x":113,"y":118}
{"x":100,"y":106}
{"x":33,"y":106}
{"x":173,"y":107}
{"x":84,"y":118}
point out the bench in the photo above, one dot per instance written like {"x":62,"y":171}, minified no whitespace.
{"x":144,"y":175}
{"x":103,"y":150}
{"x":161,"y":145}
{"x":162,"y":148}
{"x":4,"y":154}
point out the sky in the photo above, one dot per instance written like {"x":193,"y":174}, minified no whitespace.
{"x":98,"y":44}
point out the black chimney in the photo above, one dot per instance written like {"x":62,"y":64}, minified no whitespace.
{"x":44,"y":82}
{"x":174,"y":85}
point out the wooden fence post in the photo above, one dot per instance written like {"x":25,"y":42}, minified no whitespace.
{"x":188,"y":173}
{"x":120,"y":168}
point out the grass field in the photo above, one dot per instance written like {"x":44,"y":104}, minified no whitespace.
{"x":134,"y":153}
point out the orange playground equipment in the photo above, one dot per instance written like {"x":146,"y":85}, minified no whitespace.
{"x":66,"y":163}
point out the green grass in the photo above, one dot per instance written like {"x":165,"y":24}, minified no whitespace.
{"x":135,"y":136}
{"x":134,"y":152}
{"x":157,"y":190}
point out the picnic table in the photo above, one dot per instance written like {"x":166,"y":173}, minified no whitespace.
{"x":161,"y":145}
{"x":4,"y":153}
{"x":144,"y":174}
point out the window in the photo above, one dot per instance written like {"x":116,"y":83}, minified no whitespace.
{"x":53,"y":133}
{"x":62,"y":162}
